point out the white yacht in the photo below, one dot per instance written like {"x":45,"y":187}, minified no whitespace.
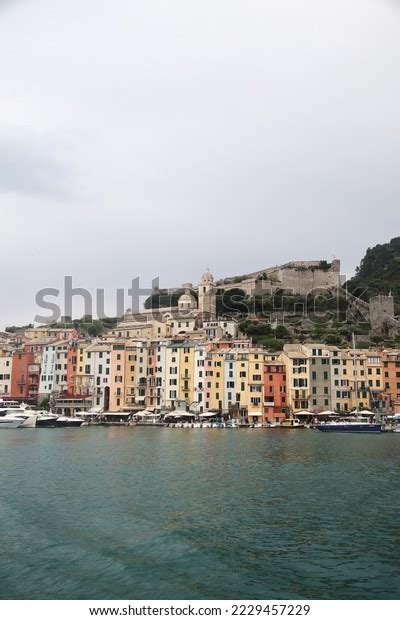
{"x":27,"y":416}
{"x":21,"y":411}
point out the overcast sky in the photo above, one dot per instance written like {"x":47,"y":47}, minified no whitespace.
{"x":155,"y":138}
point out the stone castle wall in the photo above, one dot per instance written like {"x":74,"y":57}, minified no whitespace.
{"x":300,"y":278}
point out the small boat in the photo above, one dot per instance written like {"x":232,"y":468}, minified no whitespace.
{"x":231,"y":424}
{"x":64,"y":421}
{"x":10,"y":422}
{"x":291,"y":423}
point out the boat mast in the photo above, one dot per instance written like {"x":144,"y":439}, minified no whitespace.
{"x":355,"y":372}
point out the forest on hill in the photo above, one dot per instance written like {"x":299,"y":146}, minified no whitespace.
{"x":378,"y":273}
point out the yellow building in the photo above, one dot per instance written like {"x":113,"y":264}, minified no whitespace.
{"x":83,"y":377}
{"x":255,"y":384}
{"x":135,"y":374}
{"x":374,"y":380}
{"x":242,"y":392}
{"x":215,"y":381}
{"x":356,"y":372}
{"x":297,"y":377}
{"x":186,"y":373}
{"x":117,"y":377}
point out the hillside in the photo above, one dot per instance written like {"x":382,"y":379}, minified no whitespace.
{"x":379,"y":272}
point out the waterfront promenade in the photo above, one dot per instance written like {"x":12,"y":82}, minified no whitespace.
{"x":105,"y":513}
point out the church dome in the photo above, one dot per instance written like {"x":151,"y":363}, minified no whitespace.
{"x":187,"y":302}
{"x":207,"y":278}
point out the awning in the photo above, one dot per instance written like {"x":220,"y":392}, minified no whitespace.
{"x":255,"y":414}
{"x":116,"y":413}
{"x":185,"y":414}
{"x":208,"y":414}
{"x":95,"y":410}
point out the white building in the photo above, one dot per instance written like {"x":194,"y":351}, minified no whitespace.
{"x":229,"y":379}
{"x":47,"y":371}
{"x":5,"y":375}
{"x":98,"y":363}
{"x":199,"y":376}
{"x":60,"y":367}
{"x":220,"y":329}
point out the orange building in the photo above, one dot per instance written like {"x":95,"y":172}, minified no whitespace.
{"x":25,"y":373}
{"x":391,"y":379}
{"x":275,"y":397}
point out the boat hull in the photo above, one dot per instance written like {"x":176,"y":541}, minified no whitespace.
{"x":349,"y":428}
{"x":69,"y":423}
{"x":10,"y":423}
{"x":29,"y":422}
{"x":46,"y":422}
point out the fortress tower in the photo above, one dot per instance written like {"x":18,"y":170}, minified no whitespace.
{"x":381,"y":312}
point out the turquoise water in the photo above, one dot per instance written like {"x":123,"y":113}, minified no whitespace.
{"x":104,"y":513}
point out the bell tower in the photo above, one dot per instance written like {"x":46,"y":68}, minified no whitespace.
{"x":207,"y":296}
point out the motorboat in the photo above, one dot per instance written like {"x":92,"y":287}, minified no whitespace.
{"x":291,"y":423}
{"x":64,"y":421}
{"x":349,"y":426}
{"x":46,"y":420}
{"x":10,"y":422}
{"x":25,"y":414}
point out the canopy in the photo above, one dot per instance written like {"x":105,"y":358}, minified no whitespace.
{"x":255,"y":414}
{"x":184,"y":414}
{"x":207,"y":414}
{"x":147,"y":412}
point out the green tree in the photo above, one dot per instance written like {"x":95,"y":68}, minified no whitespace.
{"x":281,"y":332}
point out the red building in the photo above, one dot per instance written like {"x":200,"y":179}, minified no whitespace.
{"x":71,"y":368}
{"x":25,"y":373}
{"x":275,"y":397}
